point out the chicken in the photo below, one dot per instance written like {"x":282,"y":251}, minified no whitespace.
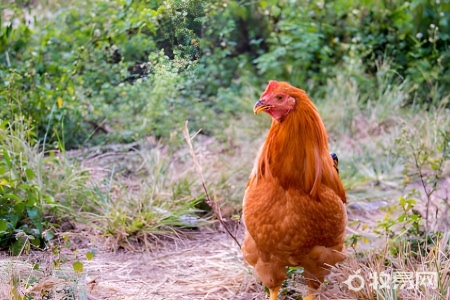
{"x":294,"y":204}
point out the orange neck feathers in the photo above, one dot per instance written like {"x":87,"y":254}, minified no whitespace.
{"x":296,"y":151}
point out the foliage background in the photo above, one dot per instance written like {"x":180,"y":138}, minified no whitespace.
{"x":101,"y":71}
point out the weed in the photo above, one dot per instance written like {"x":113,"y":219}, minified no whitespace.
{"x":21,"y":200}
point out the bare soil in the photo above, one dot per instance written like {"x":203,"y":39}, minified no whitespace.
{"x":205,"y":265}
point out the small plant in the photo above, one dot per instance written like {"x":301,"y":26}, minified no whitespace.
{"x":22,"y":221}
{"x":427,"y":154}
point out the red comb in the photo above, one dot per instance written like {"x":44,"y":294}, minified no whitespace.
{"x":270,"y":87}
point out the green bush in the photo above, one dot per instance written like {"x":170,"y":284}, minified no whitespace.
{"x":310,"y":43}
{"x":22,"y":222}
{"x":85,"y":75}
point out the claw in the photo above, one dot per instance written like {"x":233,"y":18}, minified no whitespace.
{"x":274,"y":293}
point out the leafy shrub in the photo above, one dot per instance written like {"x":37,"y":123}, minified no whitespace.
{"x":309,"y":43}
{"x":75,"y":79}
{"x":76,"y":72}
{"x":22,"y":222}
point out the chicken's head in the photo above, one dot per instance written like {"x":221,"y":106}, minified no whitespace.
{"x":276,"y":100}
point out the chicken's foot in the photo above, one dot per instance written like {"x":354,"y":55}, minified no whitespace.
{"x":310,"y":294}
{"x":274,"y":293}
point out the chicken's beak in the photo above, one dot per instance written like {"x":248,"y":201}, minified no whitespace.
{"x":260,"y":106}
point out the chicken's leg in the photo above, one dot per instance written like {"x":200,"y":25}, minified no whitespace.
{"x":274,"y":293}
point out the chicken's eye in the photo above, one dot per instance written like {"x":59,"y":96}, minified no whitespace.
{"x":279,"y":97}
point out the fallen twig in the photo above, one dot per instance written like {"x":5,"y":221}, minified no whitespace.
{"x":213,"y":204}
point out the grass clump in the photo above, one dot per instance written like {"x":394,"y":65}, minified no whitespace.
{"x":132,"y":200}
{"x":21,"y":200}
{"x":402,"y":276}
{"x":157,"y":202}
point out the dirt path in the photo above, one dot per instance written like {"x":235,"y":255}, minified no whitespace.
{"x":208,"y":265}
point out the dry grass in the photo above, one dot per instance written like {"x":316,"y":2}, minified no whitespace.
{"x":209,"y":266}
{"x":384,"y":266}
{"x":25,"y":279}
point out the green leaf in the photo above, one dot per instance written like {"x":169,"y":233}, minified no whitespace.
{"x":49,"y":199}
{"x":402,"y":217}
{"x":48,"y":235}
{"x":7,"y":158}
{"x":32,"y":199}
{"x":4,"y":182}
{"x":14,"y":219}
{"x":89,"y":255}
{"x":17,"y":247}
{"x":411,"y":202}
{"x":276,"y":11}
{"x":13,"y":197}
{"x":9,"y":29}
{"x":23,"y":186}
{"x":33,"y":213}
{"x":36,"y":242}
{"x":3,"y":226}
{"x":78,"y":267}
{"x":29,"y":173}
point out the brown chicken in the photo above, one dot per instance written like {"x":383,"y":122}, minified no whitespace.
{"x":293,"y":206}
